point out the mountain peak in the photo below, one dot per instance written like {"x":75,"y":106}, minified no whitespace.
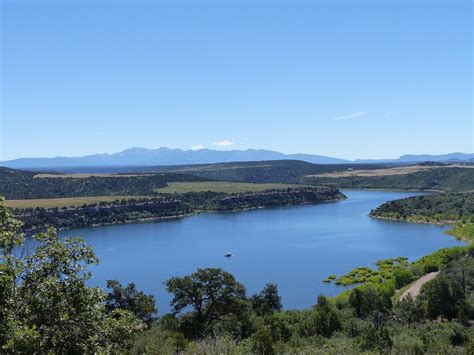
{"x":139,"y":156}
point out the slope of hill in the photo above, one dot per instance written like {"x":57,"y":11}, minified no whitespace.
{"x":17,"y":184}
{"x":451,"y":179}
{"x":438,"y":208}
{"x":276,"y":171}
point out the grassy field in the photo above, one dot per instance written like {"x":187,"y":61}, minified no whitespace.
{"x":65,"y":202}
{"x":219,"y":186}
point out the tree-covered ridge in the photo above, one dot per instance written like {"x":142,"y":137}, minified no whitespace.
{"x":270,"y":198}
{"x":272,"y":171}
{"x":454,"y":179}
{"x":168,"y":206}
{"x":17,"y":184}
{"x":120,"y":211}
{"x":436,"y":208}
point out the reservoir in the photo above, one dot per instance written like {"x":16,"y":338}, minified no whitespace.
{"x":294,"y":247}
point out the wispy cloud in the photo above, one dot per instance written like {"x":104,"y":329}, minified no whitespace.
{"x":197,"y":147}
{"x":223,"y":144}
{"x":351,"y":115}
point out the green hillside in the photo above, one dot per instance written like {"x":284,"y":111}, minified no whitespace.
{"x":445,"y":179}
{"x":274,"y":171}
{"x":445,"y":207}
{"x":17,"y":184}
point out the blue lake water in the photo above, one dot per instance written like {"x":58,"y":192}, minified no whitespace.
{"x":295,"y":247}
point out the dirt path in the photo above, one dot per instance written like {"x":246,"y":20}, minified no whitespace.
{"x":414,"y":289}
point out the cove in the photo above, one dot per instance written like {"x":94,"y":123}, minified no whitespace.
{"x":294,"y":247}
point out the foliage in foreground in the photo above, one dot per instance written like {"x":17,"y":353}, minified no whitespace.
{"x":45,"y":304}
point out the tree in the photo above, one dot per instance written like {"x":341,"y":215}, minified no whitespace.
{"x":262,"y":342}
{"x":402,"y":277}
{"x":214,"y":296}
{"x":46,"y":306}
{"x":368,"y":300}
{"x":376,"y":338}
{"x":409,"y":310}
{"x":325,"y":318}
{"x":267,"y":301}
{"x":10,"y":268}
{"x":444,"y":297}
{"x":129,"y":298}
{"x":278,"y":326}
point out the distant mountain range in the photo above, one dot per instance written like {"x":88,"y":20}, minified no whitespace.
{"x":165,"y":156}
{"x":410,"y":158}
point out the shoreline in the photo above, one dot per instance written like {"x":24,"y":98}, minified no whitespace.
{"x":444,"y":223}
{"x":194,"y":213}
{"x":434,"y":223}
{"x":386,"y":189}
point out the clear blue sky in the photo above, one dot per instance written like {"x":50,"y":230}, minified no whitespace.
{"x":351,"y":79}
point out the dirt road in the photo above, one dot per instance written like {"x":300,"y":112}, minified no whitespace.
{"x":414,"y":289}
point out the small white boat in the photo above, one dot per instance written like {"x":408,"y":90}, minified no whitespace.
{"x":228,"y":254}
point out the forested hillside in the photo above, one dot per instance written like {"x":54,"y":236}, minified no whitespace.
{"x":456,"y":209}
{"x":435,"y":176}
{"x":17,"y":184}
{"x":274,"y":171}
{"x":436,"y":208}
{"x":445,"y":179}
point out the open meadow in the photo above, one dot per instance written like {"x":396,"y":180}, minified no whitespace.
{"x":65,"y":202}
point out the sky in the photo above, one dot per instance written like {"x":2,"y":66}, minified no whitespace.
{"x":349,"y":79}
